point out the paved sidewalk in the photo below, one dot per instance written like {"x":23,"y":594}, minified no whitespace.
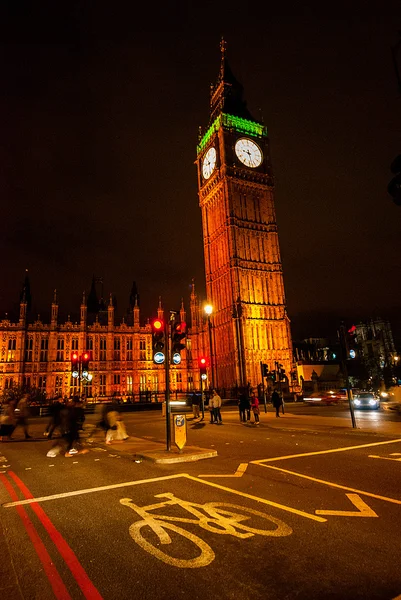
{"x":311,"y":422}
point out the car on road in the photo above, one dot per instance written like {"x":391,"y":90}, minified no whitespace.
{"x":366,"y":400}
{"x":324,"y":398}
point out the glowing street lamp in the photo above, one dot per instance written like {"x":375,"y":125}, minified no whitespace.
{"x":208,"y":308}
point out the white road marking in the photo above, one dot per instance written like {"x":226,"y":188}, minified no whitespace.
{"x":238,"y":473}
{"x":331,"y":484}
{"x":363,"y":509}
{"x":344,"y":449}
{"x":91,"y":490}
{"x":384,"y":457}
{"x":165,"y":478}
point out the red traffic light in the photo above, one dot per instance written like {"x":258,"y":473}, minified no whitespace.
{"x":74,"y":356}
{"x":203,"y":361}
{"x":157,"y":325}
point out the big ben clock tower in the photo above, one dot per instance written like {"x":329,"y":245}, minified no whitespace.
{"x":244,"y":277}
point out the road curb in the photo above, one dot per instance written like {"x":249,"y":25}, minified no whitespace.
{"x":190,"y":454}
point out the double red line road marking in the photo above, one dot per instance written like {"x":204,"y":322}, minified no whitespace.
{"x":60,"y":591}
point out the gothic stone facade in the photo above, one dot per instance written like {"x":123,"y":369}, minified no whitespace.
{"x":38,"y":355}
{"x":244,"y":277}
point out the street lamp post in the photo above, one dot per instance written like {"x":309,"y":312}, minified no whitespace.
{"x":208,"y":311}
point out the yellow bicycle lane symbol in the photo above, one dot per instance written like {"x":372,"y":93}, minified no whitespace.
{"x":215,"y":517}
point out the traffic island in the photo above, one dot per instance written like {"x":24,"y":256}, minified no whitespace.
{"x":153,"y":450}
{"x":187,"y":454}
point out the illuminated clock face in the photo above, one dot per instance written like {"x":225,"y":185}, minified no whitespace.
{"x":209,"y":163}
{"x":248,"y":152}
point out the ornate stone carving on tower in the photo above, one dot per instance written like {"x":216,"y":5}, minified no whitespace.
{"x":244,"y":277}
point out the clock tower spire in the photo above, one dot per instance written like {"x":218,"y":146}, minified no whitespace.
{"x":244,"y":278}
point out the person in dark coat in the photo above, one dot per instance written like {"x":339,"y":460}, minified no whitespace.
{"x":54,"y":418}
{"x":243,"y":405}
{"x":277,"y":402}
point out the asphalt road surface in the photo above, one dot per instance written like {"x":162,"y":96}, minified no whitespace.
{"x":297,"y":507}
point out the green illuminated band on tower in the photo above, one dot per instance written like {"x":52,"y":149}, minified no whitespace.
{"x":240,"y":125}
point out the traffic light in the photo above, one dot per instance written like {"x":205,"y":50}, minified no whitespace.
{"x":394,"y":187}
{"x":265,"y":370}
{"x":351,"y":342}
{"x":75,"y":363}
{"x":178,"y":334}
{"x":280,"y":372}
{"x":203,"y":362}
{"x":158,"y":341}
{"x":85,"y":358}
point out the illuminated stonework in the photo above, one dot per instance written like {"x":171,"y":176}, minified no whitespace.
{"x":244,"y":278}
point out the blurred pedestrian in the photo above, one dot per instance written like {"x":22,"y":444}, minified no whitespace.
{"x":116,"y":428}
{"x":277,"y":402}
{"x":255,"y":407}
{"x":7,"y":422}
{"x":22,"y":413}
{"x":195,"y":399}
{"x":216,"y":404}
{"x":54,"y":417}
{"x":243,"y":405}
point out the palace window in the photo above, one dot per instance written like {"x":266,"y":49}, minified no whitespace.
{"x":129,"y":349}
{"x":116,"y":379}
{"x":142,"y":349}
{"x":155,"y":383}
{"x":58,"y":388}
{"x":27,"y":383}
{"x":129,"y":384}
{"x":74,"y":344}
{"x":117,"y":349}
{"x":102,"y":386}
{"x":142,"y":383}
{"x":60,"y":349}
{"x":74,"y":386}
{"x":103,"y":349}
{"x":89,"y":343}
{"x":12,"y":344}
{"x":44,"y":347}
{"x":8,"y":383}
{"x":42,"y":384}
{"x":28,"y":349}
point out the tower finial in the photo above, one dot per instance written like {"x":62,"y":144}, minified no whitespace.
{"x":55,"y":297}
{"x":223,"y":50}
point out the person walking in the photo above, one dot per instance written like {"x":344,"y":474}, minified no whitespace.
{"x":216,"y":404}
{"x":243,"y":404}
{"x":277,"y":402}
{"x":210,"y":406}
{"x":7,"y":421}
{"x":21,"y":413}
{"x":255,"y":407}
{"x":116,"y":431}
{"x":195,"y":399}
{"x":54,"y":420}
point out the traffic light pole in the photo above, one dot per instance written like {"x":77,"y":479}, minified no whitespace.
{"x":167,"y":372}
{"x":202,"y":399}
{"x":343,"y":345}
{"x":263,"y":385}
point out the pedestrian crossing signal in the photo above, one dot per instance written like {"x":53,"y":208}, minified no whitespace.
{"x":158,"y":341}
{"x":178,"y":335}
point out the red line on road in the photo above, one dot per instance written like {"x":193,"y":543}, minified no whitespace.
{"x":59,"y":589}
{"x":79,"y":573}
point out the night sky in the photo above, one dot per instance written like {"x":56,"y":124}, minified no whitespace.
{"x":100,"y":106}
